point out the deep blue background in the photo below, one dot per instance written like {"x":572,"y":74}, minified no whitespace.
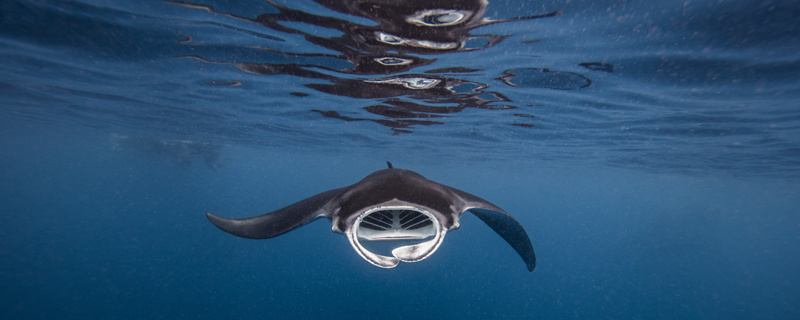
{"x":667,"y":189}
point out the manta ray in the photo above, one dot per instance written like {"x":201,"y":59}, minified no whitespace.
{"x":388,"y":205}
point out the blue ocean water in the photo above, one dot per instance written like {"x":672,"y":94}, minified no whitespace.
{"x":651,"y":151}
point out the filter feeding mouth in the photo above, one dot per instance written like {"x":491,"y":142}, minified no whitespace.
{"x":401,"y":224}
{"x":396,"y":224}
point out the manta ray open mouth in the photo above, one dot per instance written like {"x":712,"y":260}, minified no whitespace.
{"x":401,"y":224}
{"x":395,"y":225}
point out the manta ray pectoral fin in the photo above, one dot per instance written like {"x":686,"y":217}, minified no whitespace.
{"x":279,"y":221}
{"x":511,"y":231}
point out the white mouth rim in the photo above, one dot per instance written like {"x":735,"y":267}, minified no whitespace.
{"x":411,"y":253}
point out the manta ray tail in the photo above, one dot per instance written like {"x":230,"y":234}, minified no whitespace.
{"x":279,"y":221}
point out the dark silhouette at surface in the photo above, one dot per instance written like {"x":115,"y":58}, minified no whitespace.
{"x":598,"y":66}
{"x":544,"y":78}
{"x":180,"y":152}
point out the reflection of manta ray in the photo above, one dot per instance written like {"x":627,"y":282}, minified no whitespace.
{"x":180,"y":152}
{"x":403,"y":28}
{"x":402,"y":31}
{"x":390,"y":205}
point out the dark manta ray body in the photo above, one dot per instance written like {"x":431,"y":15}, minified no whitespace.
{"x":389,"y":204}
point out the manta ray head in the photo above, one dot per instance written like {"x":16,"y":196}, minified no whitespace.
{"x":410,"y":233}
